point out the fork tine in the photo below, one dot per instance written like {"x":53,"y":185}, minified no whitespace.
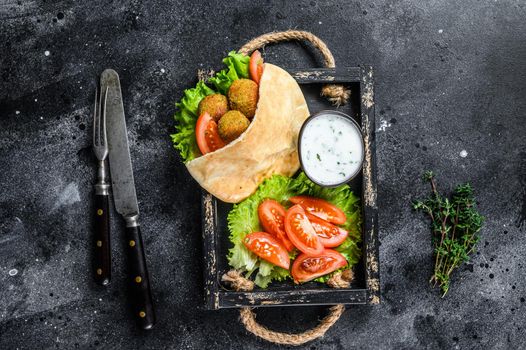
{"x":105,"y":139}
{"x":99,"y":118}
{"x":95,"y":116}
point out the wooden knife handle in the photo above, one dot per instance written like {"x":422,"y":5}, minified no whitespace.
{"x":141,"y":295}
{"x":102,"y":240}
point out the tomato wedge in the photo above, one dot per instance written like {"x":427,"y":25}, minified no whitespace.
{"x":255,"y":66}
{"x":206,"y":134}
{"x":300,"y":231}
{"x":272,"y":218}
{"x":321,"y":208}
{"x":306,"y":268}
{"x":329,"y":234}
{"x":267,"y":247}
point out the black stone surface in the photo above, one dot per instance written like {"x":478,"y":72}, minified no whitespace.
{"x":450,"y":77}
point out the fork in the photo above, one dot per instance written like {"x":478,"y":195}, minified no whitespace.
{"x":102,"y":218}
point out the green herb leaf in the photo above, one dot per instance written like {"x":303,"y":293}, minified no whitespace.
{"x":455,"y":225}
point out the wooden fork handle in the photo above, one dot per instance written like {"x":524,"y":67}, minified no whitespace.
{"x":102,"y":263}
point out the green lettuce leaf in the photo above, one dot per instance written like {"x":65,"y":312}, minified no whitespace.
{"x":243,"y":219}
{"x":186,"y":116}
{"x":237,"y":67}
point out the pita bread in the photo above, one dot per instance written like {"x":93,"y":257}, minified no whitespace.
{"x":267,"y":147}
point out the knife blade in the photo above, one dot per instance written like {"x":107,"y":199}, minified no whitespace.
{"x":124,"y":194}
{"x":125,"y":198}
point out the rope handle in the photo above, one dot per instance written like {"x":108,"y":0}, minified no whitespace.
{"x":335,"y":93}
{"x":248,"y":317}
{"x":236,"y":280}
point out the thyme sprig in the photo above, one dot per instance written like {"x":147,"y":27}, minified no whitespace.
{"x":455,"y":225}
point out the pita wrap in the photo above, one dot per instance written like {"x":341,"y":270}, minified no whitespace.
{"x":267,"y":147}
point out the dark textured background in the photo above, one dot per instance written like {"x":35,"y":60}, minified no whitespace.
{"x":450,"y":77}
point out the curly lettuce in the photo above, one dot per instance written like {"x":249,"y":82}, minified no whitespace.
{"x":243,"y":219}
{"x":237,"y":68}
{"x":186,"y":116}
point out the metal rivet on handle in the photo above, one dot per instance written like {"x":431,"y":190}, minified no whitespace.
{"x":142,"y":314}
{"x":132,"y":243}
{"x":138,"y":279}
{"x":99,"y":243}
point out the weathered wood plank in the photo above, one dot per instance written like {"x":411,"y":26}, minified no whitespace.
{"x":326,"y":75}
{"x":322,"y":296}
{"x":208,"y":209}
{"x":369,"y":191}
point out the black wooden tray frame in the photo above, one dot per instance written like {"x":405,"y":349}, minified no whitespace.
{"x":217,"y":296}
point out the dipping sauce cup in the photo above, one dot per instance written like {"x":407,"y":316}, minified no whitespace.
{"x":331,"y":148}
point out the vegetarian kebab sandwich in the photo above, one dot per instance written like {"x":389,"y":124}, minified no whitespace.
{"x":240,"y":127}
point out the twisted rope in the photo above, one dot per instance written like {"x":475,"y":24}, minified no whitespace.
{"x":289,"y":35}
{"x":337,"y":94}
{"x":248,"y":317}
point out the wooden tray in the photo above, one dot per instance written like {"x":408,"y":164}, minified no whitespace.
{"x":365,"y":289}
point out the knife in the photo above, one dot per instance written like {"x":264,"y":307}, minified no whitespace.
{"x":125,"y":199}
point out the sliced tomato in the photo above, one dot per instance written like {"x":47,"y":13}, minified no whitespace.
{"x":272,"y":218}
{"x":255,"y":66}
{"x":330,"y":235}
{"x":206,"y":134}
{"x":267,"y":247}
{"x":321,"y":208}
{"x":300,"y":231}
{"x":306,"y":268}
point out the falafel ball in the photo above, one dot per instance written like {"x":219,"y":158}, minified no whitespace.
{"x":243,"y":96}
{"x":216,"y":105}
{"x":231,"y":125}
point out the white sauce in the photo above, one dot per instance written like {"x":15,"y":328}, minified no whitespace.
{"x":331,"y":149}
